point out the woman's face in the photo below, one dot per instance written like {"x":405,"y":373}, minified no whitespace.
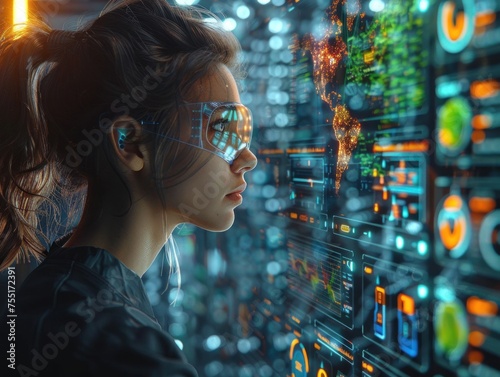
{"x":208,"y":197}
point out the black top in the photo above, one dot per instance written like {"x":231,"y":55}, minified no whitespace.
{"x":84,"y":313}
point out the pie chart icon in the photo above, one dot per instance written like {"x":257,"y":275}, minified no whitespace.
{"x":455,"y":24}
{"x":453,"y":226}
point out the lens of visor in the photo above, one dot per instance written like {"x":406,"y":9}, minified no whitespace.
{"x":228,"y":129}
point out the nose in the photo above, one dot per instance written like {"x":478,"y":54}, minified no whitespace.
{"x":246,"y":161}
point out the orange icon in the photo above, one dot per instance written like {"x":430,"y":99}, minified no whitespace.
{"x":454,"y":25}
{"x":452,"y":230}
{"x":453,"y":225}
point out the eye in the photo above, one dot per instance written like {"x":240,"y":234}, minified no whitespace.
{"x":219,"y":124}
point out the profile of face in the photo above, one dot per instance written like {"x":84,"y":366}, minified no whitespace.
{"x":208,"y":197}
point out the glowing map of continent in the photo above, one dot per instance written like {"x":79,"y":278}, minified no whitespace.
{"x":327,"y":54}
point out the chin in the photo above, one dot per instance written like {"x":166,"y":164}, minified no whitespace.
{"x":217,"y":225}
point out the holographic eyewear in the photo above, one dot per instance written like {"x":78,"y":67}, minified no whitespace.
{"x":221,"y":128}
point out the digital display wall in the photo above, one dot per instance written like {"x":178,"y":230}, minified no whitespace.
{"x":370,"y":236}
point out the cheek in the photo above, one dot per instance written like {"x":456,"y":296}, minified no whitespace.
{"x":181,"y":166}
{"x":200,"y":198}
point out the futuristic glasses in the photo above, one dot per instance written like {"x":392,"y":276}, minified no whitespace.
{"x":221,"y":128}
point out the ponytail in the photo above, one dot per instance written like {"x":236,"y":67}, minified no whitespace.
{"x":26,"y":155}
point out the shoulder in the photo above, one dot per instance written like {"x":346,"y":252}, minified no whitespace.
{"x":114,"y":342}
{"x":91,"y":318}
{"x":118,"y":341}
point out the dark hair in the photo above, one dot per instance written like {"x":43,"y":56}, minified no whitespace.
{"x":61,"y":89}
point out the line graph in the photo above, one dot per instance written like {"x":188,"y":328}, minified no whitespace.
{"x":316,"y":278}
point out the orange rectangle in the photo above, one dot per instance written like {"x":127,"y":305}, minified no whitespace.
{"x":345,"y":228}
{"x":481,"y":307}
{"x":380,"y":295}
{"x":406,"y":304}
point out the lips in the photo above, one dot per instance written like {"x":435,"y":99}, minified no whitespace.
{"x":239,"y":189}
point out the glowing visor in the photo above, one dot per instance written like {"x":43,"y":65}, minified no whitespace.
{"x":221,"y":128}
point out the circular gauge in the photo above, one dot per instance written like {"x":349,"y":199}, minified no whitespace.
{"x":451,"y":329}
{"x":489,"y":239}
{"x":455,"y":24}
{"x":299,"y":359}
{"x":453,"y":226}
{"x":454,"y":126}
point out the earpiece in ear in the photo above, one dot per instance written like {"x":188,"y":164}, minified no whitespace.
{"x":121,"y":138}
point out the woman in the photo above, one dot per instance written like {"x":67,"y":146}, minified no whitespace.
{"x":141,"y":109}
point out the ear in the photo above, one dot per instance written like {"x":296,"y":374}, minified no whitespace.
{"x":124,"y":133}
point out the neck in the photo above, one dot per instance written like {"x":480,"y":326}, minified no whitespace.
{"x":135,"y":236}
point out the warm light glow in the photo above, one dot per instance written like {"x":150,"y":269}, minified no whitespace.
{"x":305,"y":150}
{"x":367,"y":366}
{"x":475,"y":357}
{"x":482,"y":308}
{"x":380,"y":295}
{"x":406,"y":304}
{"x":476,"y":338}
{"x":482,"y":204}
{"x":396,"y":213}
{"x":478,"y":136}
{"x":481,"y":121}
{"x":410,"y":146}
{"x":484,"y":89}
{"x":20,"y":14}
{"x":485,"y":18}
{"x":453,"y":202}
